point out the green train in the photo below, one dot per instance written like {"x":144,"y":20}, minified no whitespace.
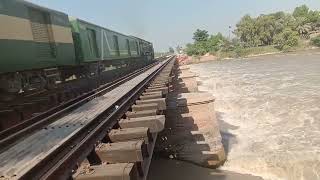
{"x":40,"y":47}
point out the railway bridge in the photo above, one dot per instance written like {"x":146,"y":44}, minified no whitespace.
{"x":111,"y":132}
{"x":81,"y":101}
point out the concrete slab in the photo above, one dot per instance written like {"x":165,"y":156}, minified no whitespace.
{"x":157,"y":86}
{"x":144,"y":107}
{"x":130,"y":134}
{"x":159,"y":83}
{"x":152,"y":96}
{"x":152,"y":93}
{"x":121,"y":171}
{"x":161,"y":102}
{"x":137,"y":114}
{"x":122,"y":152}
{"x":154,"y":123}
{"x":164,"y":90}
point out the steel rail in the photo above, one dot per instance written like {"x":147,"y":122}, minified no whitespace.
{"x":60,"y":163}
{"x":13,"y":134}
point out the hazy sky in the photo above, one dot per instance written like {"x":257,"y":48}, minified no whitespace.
{"x":169,"y":22}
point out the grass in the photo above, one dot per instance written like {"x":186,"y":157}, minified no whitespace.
{"x":252,"y":51}
{"x":246,"y":52}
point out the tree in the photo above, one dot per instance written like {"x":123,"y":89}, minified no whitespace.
{"x":171,"y":50}
{"x":265,"y":29}
{"x":316,"y":41}
{"x":190,"y":49}
{"x":216,"y":42}
{"x":246,"y":30}
{"x":301,"y":11}
{"x":198,"y":48}
{"x":313,"y":16}
{"x":200,"y":35}
{"x":288,"y":38}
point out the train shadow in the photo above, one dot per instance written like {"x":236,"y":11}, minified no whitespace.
{"x":183,"y":140}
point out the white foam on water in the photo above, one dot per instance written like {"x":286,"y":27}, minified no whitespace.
{"x":275,"y":104}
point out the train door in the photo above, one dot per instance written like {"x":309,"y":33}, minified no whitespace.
{"x":116,"y":45}
{"x":128,"y":47}
{"x":92,"y":38}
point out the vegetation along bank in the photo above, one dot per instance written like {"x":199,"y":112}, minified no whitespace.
{"x":267,"y":33}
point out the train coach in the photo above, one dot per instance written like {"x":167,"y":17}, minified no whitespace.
{"x":40,"y":47}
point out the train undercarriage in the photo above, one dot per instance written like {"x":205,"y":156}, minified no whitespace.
{"x":13,"y":84}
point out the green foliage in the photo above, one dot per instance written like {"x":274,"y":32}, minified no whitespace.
{"x":200,"y":35}
{"x":215,"y":42}
{"x":198,"y":48}
{"x":316,"y":41}
{"x":244,"y":52}
{"x":281,"y":30}
{"x":287,"y":39}
{"x":246,"y":31}
{"x":301,"y":11}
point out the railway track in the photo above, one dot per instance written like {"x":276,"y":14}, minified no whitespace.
{"x":10,"y":135}
{"x":54,"y":145}
{"x":28,"y":105}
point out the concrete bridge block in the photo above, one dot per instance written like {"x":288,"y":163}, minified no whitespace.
{"x":164,"y":90}
{"x":131,"y":134}
{"x":152,"y":93}
{"x":136,"y":114}
{"x":121,"y":171}
{"x":187,"y":83}
{"x":123,"y":152}
{"x":157,"y":86}
{"x":164,"y":78}
{"x":160,"y":82}
{"x":144,"y":107}
{"x":198,"y":108}
{"x":151,"y":96}
{"x":154,"y":123}
{"x":161,"y":102}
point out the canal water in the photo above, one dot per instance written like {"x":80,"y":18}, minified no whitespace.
{"x":269,"y":112}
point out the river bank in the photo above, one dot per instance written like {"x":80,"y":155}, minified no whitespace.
{"x":188,"y":60}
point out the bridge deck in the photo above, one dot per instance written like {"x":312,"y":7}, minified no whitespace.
{"x":24,"y":155}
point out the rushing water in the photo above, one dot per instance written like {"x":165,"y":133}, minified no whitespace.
{"x":269,"y":108}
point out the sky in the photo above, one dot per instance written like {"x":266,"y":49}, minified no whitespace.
{"x":168,"y":23}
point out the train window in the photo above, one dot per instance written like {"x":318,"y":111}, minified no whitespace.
{"x":92,"y":42}
{"x":116,"y":45}
{"x":128,"y":47}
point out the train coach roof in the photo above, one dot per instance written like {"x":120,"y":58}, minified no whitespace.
{"x":141,"y":39}
{"x":89,"y":23}
{"x":30,"y":4}
{"x":86,"y":22}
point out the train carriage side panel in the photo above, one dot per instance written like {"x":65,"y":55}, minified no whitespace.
{"x":98,"y":43}
{"x":32,"y":37}
{"x":145,"y":49}
{"x":88,"y":37}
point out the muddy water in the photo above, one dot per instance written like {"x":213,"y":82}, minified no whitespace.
{"x":269,"y":111}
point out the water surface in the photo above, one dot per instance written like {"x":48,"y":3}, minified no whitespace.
{"x":269,"y":111}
